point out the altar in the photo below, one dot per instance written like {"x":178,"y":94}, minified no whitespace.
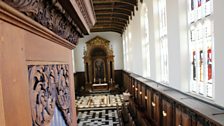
{"x":102,"y":86}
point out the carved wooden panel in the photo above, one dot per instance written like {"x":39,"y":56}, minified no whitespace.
{"x":49,"y":86}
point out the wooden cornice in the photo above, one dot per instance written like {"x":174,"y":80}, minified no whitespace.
{"x":69,"y":19}
{"x":12,"y":16}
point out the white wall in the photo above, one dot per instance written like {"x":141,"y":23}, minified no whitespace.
{"x":178,"y":45}
{"x":115,"y":41}
{"x":219,"y":51}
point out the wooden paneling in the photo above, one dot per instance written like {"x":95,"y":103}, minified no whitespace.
{"x":79,"y":79}
{"x":182,"y":118}
{"x":165,"y":106}
{"x":156,"y":109}
{"x":138,"y":92}
{"x":149,"y":103}
{"x":178,"y":117}
{"x":119,"y":78}
{"x":132,"y":86}
{"x":186,"y":119}
{"x":2,"y":114}
{"x":167,"y":113}
{"x":126,"y":80}
{"x":42,"y":50}
{"x":14,"y":76}
{"x":143,"y":97}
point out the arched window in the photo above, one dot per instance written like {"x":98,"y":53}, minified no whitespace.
{"x":163,"y":43}
{"x":125,"y":50}
{"x":201,"y":41}
{"x":145,"y":40}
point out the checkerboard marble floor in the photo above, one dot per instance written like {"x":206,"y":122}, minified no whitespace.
{"x":98,"y":101}
{"x":98,"y":118}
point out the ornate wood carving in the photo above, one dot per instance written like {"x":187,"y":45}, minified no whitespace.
{"x":99,"y":62}
{"x":50,"y":14}
{"x":49,"y":86}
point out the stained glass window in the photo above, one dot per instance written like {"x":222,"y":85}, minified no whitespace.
{"x":201,"y":47}
{"x":200,"y":9}
{"x":163,"y":43}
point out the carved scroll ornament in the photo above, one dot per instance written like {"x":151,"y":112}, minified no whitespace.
{"x":49,"y":86}
{"x":50,"y":14}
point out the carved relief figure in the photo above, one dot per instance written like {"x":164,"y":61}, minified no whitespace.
{"x":49,"y":84}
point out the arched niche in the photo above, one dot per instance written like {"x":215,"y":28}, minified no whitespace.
{"x":99,"y":63}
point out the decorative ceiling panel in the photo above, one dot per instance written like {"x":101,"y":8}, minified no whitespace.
{"x":113,"y":15}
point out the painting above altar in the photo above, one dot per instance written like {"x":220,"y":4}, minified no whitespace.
{"x":99,"y":68}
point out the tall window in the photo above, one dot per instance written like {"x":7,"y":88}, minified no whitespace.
{"x":201,"y":41}
{"x":163,"y":43}
{"x":129,"y":49}
{"x":145,"y":40}
{"x":125,"y":51}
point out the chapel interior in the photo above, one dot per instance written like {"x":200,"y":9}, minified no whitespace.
{"x":111,"y":63}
